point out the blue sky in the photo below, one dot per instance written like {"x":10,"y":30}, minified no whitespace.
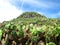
{"x":10,"y":9}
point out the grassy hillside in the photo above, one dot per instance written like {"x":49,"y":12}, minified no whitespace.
{"x":34,"y":17}
{"x":30,"y":28}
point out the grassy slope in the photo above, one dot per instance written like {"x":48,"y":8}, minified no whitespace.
{"x":40,"y":20}
{"x":33,"y":17}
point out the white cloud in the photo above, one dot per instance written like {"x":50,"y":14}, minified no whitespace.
{"x":8,"y":11}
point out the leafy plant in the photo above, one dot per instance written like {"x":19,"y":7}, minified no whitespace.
{"x":50,"y":43}
{"x":34,"y":31}
{"x":1,"y":34}
{"x":12,"y":26}
{"x":31,"y":26}
{"x":34,"y":39}
{"x":13,"y":33}
{"x":19,"y":27}
{"x":58,"y":30}
{"x":7,"y":26}
{"x":40,"y":31}
{"x":20,"y":34}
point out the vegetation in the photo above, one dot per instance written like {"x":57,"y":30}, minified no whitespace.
{"x":30,"y":28}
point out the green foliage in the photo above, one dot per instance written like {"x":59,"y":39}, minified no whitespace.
{"x":31,"y":26}
{"x":40,"y":30}
{"x":7,"y":26}
{"x":34,"y":39}
{"x":34,"y":31}
{"x":13,"y":33}
{"x":19,"y":27}
{"x":35,"y":26}
{"x":1,"y":34}
{"x":20,"y":34}
{"x":58,"y":30}
{"x":50,"y":43}
{"x":12,"y":26}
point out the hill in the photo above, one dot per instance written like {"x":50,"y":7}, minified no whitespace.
{"x":30,"y":15}
{"x":30,"y":28}
{"x":34,"y":17}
